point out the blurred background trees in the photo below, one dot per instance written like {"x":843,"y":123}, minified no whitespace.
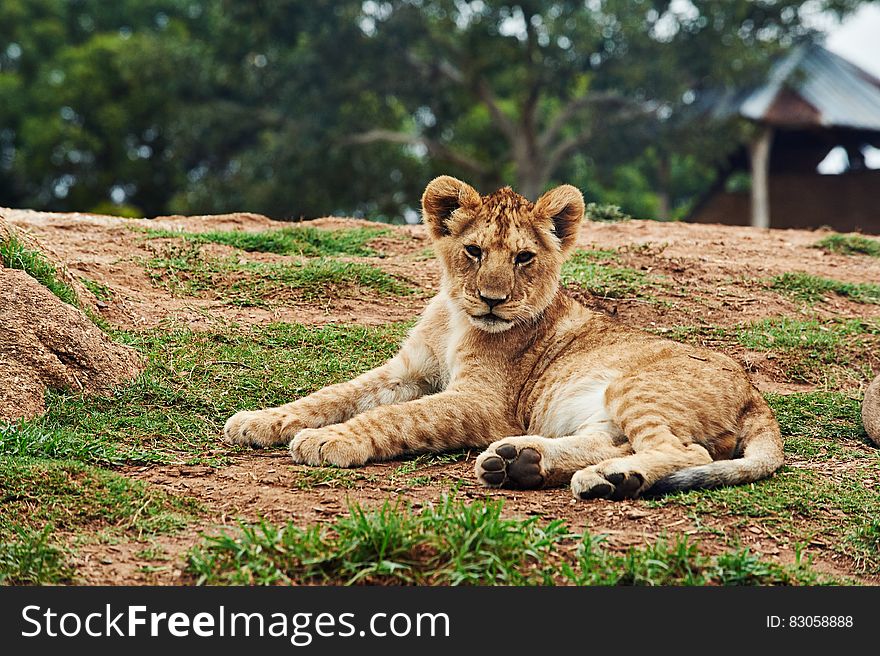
{"x":298,"y":108}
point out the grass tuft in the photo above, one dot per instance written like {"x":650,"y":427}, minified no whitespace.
{"x":803,"y":350}
{"x":813,"y":289}
{"x":185,"y":272}
{"x":71,"y":495}
{"x":591,"y":271}
{"x":15,"y":255}
{"x":453,"y":543}
{"x":300,"y":240}
{"x":28,"y":557}
{"x":849,"y":244}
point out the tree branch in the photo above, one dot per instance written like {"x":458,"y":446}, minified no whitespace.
{"x":434,"y":147}
{"x":479,"y":87}
{"x":573,"y":107}
{"x":566,"y":146}
{"x":484,"y":93}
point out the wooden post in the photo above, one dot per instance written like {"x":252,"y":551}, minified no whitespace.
{"x":760,"y":161}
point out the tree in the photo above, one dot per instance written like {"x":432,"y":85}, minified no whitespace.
{"x":510,"y":92}
{"x":296,"y":108}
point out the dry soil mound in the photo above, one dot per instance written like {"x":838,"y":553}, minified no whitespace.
{"x":45,"y":343}
{"x":871,"y":411}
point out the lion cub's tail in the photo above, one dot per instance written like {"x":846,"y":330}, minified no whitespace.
{"x":761,"y":449}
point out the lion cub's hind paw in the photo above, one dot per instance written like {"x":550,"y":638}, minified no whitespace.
{"x":507,"y":466}
{"x":590,"y":484}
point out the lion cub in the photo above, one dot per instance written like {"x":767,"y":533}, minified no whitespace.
{"x":503,"y":358}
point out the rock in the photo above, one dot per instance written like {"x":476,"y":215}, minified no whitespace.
{"x":871,"y":411}
{"x":46,"y":343}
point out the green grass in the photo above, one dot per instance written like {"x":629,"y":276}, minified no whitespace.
{"x":813,"y":350}
{"x":30,"y":557}
{"x":39,"y":498}
{"x":605,"y":212}
{"x":72,"y":496}
{"x":41,"y":439}
{"x":100,"y":291}
{"x":299,"y":240}
{"x":813,"y":289}
{"x":453,"y":543}
{"x":821,"y":425}
{"x":404,"y":474}
{"x":849,"y":245}
{"x":680,"y":562}
{"x":806,"y":350}
{"x":193,"y":382}
{"x":15,"y":255}
{"x":185,"y":272}
{"x":591,"y":271}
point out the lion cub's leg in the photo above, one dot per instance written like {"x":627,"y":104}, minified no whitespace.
{"x":532,"y":461}
{"x":438,"y":422}
{"x":658,"y":453}
{"x":403,"y":378}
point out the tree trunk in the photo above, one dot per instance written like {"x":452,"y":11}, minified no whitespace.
{"x":664,"y":209}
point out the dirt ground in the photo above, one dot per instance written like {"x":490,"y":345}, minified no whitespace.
{"x":715,"y":274}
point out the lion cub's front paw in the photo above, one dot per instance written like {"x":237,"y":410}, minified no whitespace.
{"x":259,"y":428}
{"x":514,"y":462}
{"x":598,"y":483}
{"x":328,"y":446}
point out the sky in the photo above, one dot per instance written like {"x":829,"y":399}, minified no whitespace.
{"x":858,"y":38}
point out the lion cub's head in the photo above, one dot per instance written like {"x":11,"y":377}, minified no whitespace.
{"x":501,"y":254}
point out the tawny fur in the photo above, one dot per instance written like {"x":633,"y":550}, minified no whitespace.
{"x":555,"y":393}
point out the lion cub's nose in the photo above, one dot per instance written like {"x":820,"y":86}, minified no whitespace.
{"x":492,"y":302}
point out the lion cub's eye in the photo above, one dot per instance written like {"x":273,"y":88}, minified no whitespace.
{"x":524,"y":256}
{"x":473,"y":251}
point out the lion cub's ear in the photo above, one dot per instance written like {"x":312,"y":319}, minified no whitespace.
{"x":442,"y":197}
{"x":564,"y":208}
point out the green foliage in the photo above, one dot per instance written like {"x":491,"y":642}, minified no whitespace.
{"x":453,"y":543}
{"x":605,"y":212}
{"x":821,"y":338}
{"x":813,"y":289}
{"x":101,"y":292}
{"x":832,"y":420}
{"x":679,"y":563}
{"x":301,"y":240}
{"x":849,"y":245}
{"x":33,"y":439}
{"x":154,"y":106}
{"x":15,"y":255}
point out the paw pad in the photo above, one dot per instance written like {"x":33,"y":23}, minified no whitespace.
{"x":616,"y":486}
{"x":511,"y":468}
